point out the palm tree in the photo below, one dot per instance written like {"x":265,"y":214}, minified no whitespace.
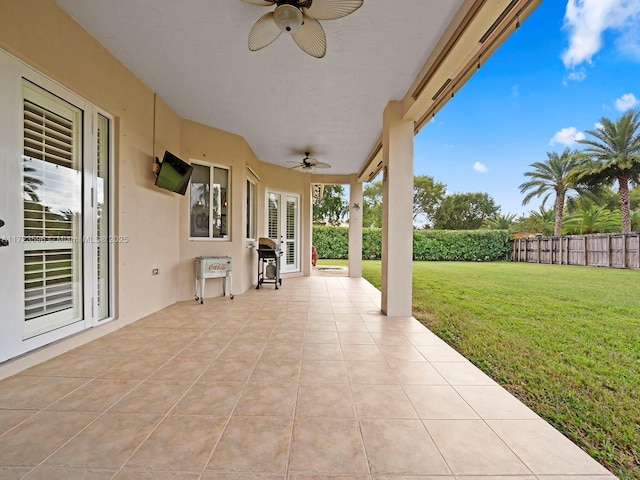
{"x":635,"y":221}
{"x":499,"y":221}
{"x":614,"y":155}
{"x":30,"y":183}
{"x":555,"y":175}
{"x":593,"y":219}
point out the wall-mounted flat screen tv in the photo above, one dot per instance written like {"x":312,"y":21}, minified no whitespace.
{"x":174,"y":174}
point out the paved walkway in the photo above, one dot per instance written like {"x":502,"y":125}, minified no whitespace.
{"x":304,"y":383}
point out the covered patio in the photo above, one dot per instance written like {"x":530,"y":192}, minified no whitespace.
{"x":307,"y":382}
{"x":109,"y":368}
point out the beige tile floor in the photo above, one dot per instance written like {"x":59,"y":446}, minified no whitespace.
{"x":308,"y":382}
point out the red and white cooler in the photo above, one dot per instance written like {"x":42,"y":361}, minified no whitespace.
{"x":213,"y":267}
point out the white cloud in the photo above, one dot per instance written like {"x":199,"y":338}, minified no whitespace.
{"x":567,"y":136}
{"x":575,"y":76}
{"x":587,"y":20}
{"x":626,"y":101}
{"x":599,"y":126}
{"x":480,"y":167}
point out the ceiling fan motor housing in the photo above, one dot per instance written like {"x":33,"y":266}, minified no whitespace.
{"x":288,"y":18}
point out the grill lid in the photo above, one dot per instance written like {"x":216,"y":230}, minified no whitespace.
{"x":264,"y":242}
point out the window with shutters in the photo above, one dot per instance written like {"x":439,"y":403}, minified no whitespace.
{"x":209,"y":197}
{"x":251,"y":210}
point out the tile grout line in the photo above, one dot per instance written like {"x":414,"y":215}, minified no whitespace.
{"x":295,"y":405}
{"x":230,"y":415}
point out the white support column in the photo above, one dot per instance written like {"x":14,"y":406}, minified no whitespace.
{"x":306,"y":229}
{"x":397,"y":212}
{"x":355,"y":228}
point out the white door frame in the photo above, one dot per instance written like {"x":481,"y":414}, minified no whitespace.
{"x":282,"y":241}
{"x":12,"y":295}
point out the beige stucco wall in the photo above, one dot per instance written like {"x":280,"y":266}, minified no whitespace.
{"x":44,"y":37}
{"x":209,"y":145}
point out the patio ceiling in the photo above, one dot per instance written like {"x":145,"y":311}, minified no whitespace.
{"x":194,"y":55}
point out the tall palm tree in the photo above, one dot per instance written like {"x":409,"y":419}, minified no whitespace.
{"x":554,"y":176}
{"x":613,"y":154}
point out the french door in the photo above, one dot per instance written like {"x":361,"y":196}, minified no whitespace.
{"x":55,"y":151}
{"x":283,"y":226}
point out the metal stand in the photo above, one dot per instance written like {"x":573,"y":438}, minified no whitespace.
{"x":266,"y":261}
{"x":269,"y":257}
{"x":213,"y":267}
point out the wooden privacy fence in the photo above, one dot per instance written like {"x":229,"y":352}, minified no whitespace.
{"x":616,"y":250}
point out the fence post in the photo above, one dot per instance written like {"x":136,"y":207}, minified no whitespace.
{"x":624,"y":250}
{"x":539,"y":248}
{"x":561,"y":249}
{"x":609,"y":250}
{"x":585,"y":251}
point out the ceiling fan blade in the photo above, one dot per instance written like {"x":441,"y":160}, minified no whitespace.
{"x":321,"y":165}
{"x":332,"y":9}
{"x":263,"y":33}
{"x":310,"y":38}
{"x":301,"y":168}
{"x":261,"y":3}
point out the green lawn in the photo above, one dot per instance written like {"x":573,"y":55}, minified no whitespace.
{"x":564,"y":339}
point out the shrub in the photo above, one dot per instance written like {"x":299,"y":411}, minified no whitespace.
{"x":331,"y":242}
{"x":465,"y":245}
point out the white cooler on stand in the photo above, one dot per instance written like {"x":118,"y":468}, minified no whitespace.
{"x":213,"y":267}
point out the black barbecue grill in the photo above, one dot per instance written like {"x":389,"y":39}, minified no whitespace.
{"x":268,"y":262}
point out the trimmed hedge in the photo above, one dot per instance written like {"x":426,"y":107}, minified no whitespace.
{"x":459,"y":245}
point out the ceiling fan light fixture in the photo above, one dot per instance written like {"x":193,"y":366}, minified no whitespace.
{"x":288,"y":18}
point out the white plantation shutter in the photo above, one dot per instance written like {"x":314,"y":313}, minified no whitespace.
{"x":273,"y":226}
{"x":47,"y":136}
{"x":291,"y":231}
{"x":48,"y":282}
{"x":52,"y":186}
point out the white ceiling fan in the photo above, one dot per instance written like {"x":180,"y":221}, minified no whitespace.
{"x":308,"y":164}
{"x":300,"y":19}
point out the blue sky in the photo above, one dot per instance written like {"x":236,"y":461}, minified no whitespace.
{"x":569,"y":64}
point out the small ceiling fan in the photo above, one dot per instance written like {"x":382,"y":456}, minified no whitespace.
{"x":300,"y":19}
{"x":309,"y":164}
